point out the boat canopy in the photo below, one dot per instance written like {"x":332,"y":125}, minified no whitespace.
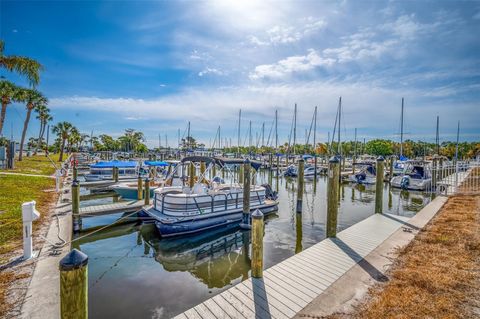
{"x":221,"y":161}
{"x":114,"y":163}
{"x":156,"y":163}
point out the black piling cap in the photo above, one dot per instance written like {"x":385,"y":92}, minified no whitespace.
{"x":75,"y":183}
{"x":247,"y":161}
{"x":75,"y":259}
{"x":334,"y":159}
{"x":380,"y":158}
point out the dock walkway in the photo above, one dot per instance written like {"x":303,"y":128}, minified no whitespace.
{"x":288,"y":287}
{"x":125,"y":207}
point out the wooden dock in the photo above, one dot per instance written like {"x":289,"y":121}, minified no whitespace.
{"x":125,"y":207}
{"x":289,"y":286}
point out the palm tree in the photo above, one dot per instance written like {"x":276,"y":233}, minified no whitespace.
{"x":73,"y":139}
{"x":8,"y":94}
{"x":44,"y":117}
{"x":22,"y":65}
{"x":63,"y":131}
{"x":32,"y":98}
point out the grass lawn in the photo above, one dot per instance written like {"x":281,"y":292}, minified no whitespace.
{"x":37,"y":164}
{"x":15,"y":190}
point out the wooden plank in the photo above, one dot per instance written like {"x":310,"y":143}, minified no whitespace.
{"x":229,"y":309}
{"x":237,"y":304}
{"x":192,"y":314}
{"x":276,"y":291}
{"x":320,"y":285}
{"x":257,"y":304}
{"x":336,"y":262}
{"x":204,"y":312}
{"x":181,"y":316}
{"x":269,"y":309}
{"x":290,"y":288}
{"x":213,"y":307}
{"x":307,"y":287}
{"x":317,"y":272}
{"x":281,"y":291}
{"x":262,"y":292}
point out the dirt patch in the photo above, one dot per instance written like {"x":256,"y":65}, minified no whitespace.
{"x":437,"y":274}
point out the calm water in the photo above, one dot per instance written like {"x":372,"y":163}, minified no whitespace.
{"x":135,"y":274}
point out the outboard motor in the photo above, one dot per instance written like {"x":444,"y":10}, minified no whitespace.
{"x":405,"y":182}
{"x":290,"y":171}
{"x":360,"y":177}
{"x":269,"y":192}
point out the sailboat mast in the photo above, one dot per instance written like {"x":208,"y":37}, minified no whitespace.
{"x":263,"y":133}
{"x":238,"y":141}
{"x":315,"y":129}
{"x":401,"y":131}
{"x":294,"y":127}
{"x":188,"y":135}
{"x":456,"y":146}
{"x":437,"y":137}
{"x":249,"y":134}
{"x":276,"y":130}
{"x":355,"y":147}
{"x":339,"y":149}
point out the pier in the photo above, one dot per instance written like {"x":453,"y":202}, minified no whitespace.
{"x":289,"y":286}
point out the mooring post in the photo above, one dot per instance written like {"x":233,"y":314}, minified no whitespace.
{"x":191,"y":175}
{"x":147,"y":191}
{"x":299,"y":233}
{"x":58,"y":174}
{"x":75,"y":172}
{"x":354,"y":160}
{"x":241,"y":173}
{"x":332,"y":195}
{"x":315,"y":164}
{"x":202,"y":171}
{"x":278,"y":164}
{"x":74,"y":285}
{"x":434,"y":171}
{"x":115,"y":174}
{"x":257,"y":244}
{"x":246,"y":195}
{"x":139,"y":187}
{"x":300,"y":182}
{"x":214,"y":170}
{"x":379,"y":185}
{"x":77,"y":222}
{"x":390,"y":168}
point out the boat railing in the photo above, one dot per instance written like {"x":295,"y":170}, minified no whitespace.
{"x":212,"y":201}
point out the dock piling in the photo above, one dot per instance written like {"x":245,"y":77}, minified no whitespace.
{"x":191,"y":175}
{"x":379,"y":185}
{"x":300,"y":182}
{"x":74,"y":285}
{"x":390,"y":168}
{"x":77,"y":222}
{"x":257,"y":244}
{"x":139,"y":187}
{"x":115,"y":174}
{"x":147,"y":191}
{"x":246,"y":195}
{"x":332,"y":195}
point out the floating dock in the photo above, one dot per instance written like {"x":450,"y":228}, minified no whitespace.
{"x":125,"y":207}
{"x":291,"y":285}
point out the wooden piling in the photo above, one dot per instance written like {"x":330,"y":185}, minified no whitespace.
{"x":139,"y":187}
{"x":147,"y":191}
{"x":332,"y":195}
{"x":390,"y":168}
{"x":191,"y":175}
{"x":74,"y":285}
{"x":379,"y":185}
{"x":246,"y":194}
{"x":75,"y":172}
{"x":76,"y":206}
{"x":115,"y":174}
{"x":241,"y":174}
{"x":299,"y":233}
{"x":257,"y":244}
{"x":300,"y":182}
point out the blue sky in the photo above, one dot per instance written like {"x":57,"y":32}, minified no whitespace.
{"x":153,"y":66}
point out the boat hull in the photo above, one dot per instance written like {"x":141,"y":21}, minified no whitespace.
{"x":168,"y":227}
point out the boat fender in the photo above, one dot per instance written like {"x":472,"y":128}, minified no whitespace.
{"x":405,"y":182}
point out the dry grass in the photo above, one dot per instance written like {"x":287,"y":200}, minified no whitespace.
{"x":437,"y":275}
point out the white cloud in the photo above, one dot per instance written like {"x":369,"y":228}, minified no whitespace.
{"x":283,"y":34}
{"x":208,"y":70}
{"x":291,"y":65}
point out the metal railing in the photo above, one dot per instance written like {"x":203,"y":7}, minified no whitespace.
{"x":455,"y":178}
